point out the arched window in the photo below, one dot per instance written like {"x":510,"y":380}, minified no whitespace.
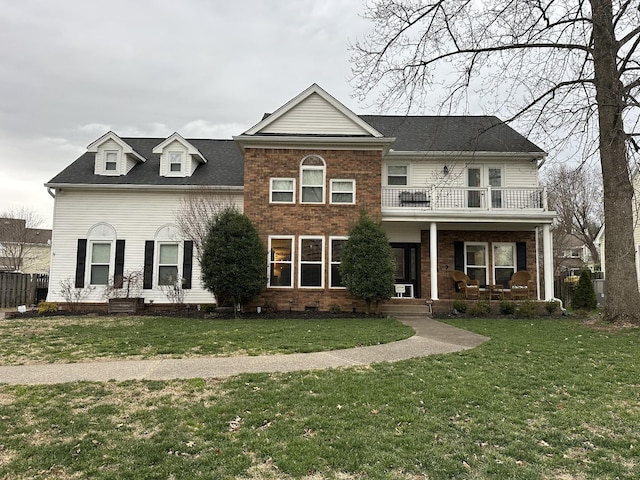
{"x":312,"y":179}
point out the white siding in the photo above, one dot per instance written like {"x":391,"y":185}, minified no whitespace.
{"x":314,"y":115}
{"x":427,"y":173}
{"x":135,"y":217}
{"x":175,"y":146}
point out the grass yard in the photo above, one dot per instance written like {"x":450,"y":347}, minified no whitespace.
{"x":543,"y":399}
{"x":77,"y":339}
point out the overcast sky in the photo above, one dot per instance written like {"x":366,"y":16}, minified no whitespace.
{"x":71,"y":70}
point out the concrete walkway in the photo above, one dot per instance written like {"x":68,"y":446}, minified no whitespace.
{"x":431,"y":337}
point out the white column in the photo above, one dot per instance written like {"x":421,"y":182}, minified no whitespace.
{"x":433,"y":259}
{"x":547,"y":249}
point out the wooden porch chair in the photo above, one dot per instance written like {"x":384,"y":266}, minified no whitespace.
{"x":520,"y":284}
{"x":470,"y":288}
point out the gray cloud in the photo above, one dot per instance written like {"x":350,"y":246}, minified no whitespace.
{"x":72,"y":70}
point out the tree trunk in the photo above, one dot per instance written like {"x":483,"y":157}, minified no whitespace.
{"x":622,"y":303}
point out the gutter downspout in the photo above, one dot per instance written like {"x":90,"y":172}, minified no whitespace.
{"x":51,"y":193}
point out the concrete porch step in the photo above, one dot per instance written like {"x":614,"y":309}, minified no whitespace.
{"x":409,"y":307}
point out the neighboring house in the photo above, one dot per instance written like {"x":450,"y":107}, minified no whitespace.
{"x":572,"y":255}
{"x":23,"y":249}
{"x":452,"y":193}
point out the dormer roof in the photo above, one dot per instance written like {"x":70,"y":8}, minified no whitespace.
{"x":176,"y":137}
{"x":110,"y":136}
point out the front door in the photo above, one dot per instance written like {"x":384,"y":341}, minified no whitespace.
{"x":407,"y":277}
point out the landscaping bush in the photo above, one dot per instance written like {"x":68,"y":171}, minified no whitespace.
{"x":47,"y":307}
{"x":527,"y":309}
{"x":552,"y":306}
{"x":507,"y":307}
{"x":482,"y":308}
{"x":460,"y":305}
{"x":335,"y":309}
{"x":584,"y":298}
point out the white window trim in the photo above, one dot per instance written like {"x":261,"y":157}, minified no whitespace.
{"x":182,"y":162}
{"x":353,"y":191}
{"x":112,"y":261}
{"x":291,"y":262}
{"x":493,"y":258}
{"x":105,"y":154}
{"x":331,"y":262}
{"x":486,"y":256}
{"x":322,"y":168}
{"x":272,"y":191}
{"x":156,"y":261}
{"x":397,"y":164}
{"x":300,"y":262}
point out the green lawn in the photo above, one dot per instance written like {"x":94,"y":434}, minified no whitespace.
{"x":543,"y":399}
{"x":74,"y":339}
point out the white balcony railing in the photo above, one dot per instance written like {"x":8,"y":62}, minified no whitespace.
{"x":471,"y":198}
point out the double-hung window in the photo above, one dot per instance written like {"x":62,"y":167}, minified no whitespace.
{"x":282,"y":190}
{"x":311,"y":262}
{"x":343,"y":191}
{"x":504,"y":262}
{"x":397,"y":175}
{"x":167,"y":263}
{"x":111,"y":161}
{"x":475,"y":256}
{"x":100,"y":263}
{"x":312,"y":171}
{"x":281,"y":262}
{"x":337,"y":244}
{"x":175,"y":162}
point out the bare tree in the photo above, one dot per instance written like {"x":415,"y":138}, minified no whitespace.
{"x":576,"y":195}
{"x":567,"y":68}
{"x":196,"y":212}
{"x":19,"y":234}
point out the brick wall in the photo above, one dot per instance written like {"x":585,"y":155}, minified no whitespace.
{"x":297,"y":219}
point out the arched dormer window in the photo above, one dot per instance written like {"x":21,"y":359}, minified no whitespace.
{"x":312,"y":179}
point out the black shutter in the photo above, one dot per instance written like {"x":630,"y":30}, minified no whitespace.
{"x":147,"y":280}
{"x":81,"y":260}
{"x":458,"y":256}
{"x":118,"y":274}
{"x":521,"y":256}
{"x":187,"y":264}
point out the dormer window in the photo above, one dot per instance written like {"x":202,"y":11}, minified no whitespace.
{"x":110,"y":161}
{"x":175,"y":161}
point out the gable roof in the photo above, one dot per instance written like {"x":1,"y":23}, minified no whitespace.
{"x":451,"y":134}
{"x":224,"y":168}
{"x":176,"y":137}
{"x":110,"y":136}
{"x":313,"y":112}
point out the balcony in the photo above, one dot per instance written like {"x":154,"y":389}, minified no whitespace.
{"x":471,"y":199}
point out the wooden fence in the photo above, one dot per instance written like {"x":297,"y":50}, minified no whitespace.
{"x":22,"y":289}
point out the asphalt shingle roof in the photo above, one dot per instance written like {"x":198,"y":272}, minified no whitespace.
{"x":225,"y":163}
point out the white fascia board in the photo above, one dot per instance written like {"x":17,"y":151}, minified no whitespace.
{"x":305,"y":142}
{"x":467,"y":154}
{"x":191,"y":150}
{"x":315,"y":88}
{"x":443,"y":219}
{"x":131,"y":186}
{"x":126,"y":148}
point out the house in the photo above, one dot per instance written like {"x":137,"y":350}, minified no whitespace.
{"x":23,"y":249}
{"x":452,"y":193}
{"x":572,"y":255}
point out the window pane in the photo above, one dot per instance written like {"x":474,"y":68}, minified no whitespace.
{"x":397,"y":169}
{"x":167,"y":275}
{"x":312,"y":194}
{"x":495,"y":177}
{"x":479,"y":274}
{"x":336,"y":250}
{"x":503,"y":255}
{"x":101,"y":253}
{"x":342,"y":186}
{"x":99,"y":275}
{"x":110,"y":166}
{"x":282,"y":197}
{"x":311,"y":275}
{"x":342,"y":198}
{"x":476,"y":255}
{"x":282,"y":184}
{"x":312,"y":177}
{"x":168,"y":254}
{"x":281,"y":249}
{"x":336,"y":279}
{"x":311,"y":250}
{"x":503,"y":275}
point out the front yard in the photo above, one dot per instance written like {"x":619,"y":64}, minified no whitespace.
{"x":543,"y":399}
